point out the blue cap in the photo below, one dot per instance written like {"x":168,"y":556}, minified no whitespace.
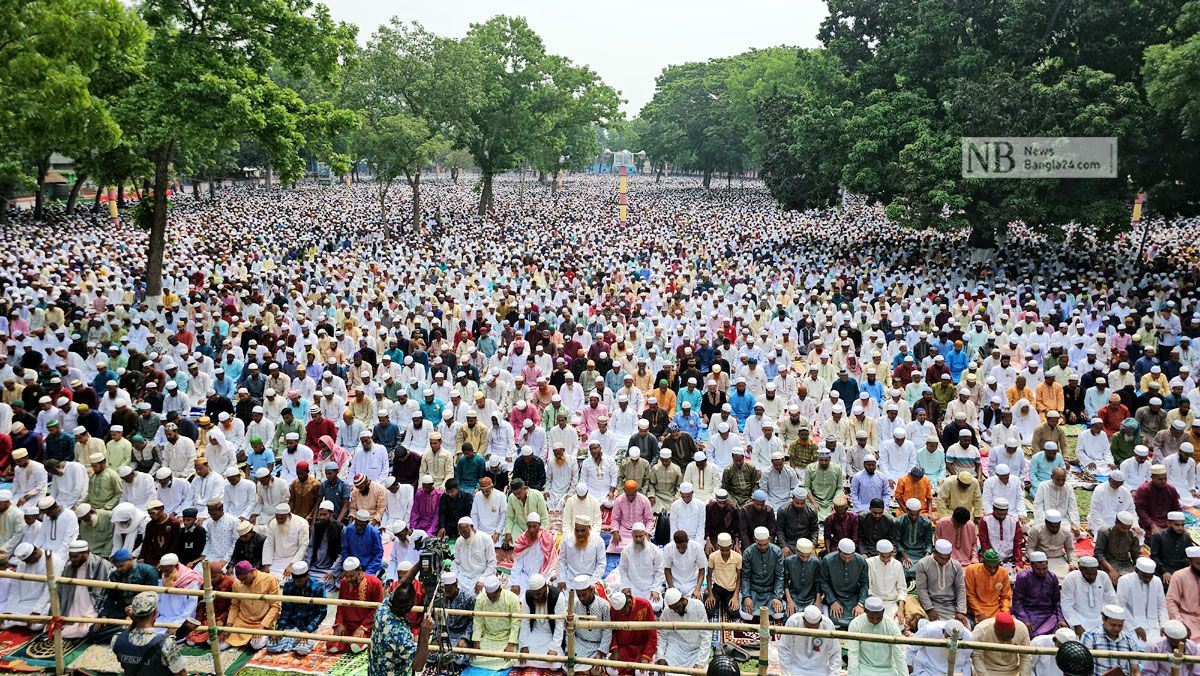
{"x":121,"y":556}
{"x":759,"y":494}
{"x":331,"y":466}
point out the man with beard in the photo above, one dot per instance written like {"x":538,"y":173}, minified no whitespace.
{"x":82,"y":601}
{"x":542,"y":637}
{"x":534,"y":553}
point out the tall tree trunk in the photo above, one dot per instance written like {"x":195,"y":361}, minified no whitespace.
{"x":195,"y":189}
{"x":485,"y":193}
{"x":74,"y":196}
{"x":385,"y":186}
{"x":269,"y":175}
{"x":728,"y":180}
{"x":212,"y":189}
{"x":96,"y":201}
{"x":707,"y":178}
{"x":542,"y":177}
{"x":659,"y":175}
{"x":158,"y":227}
{"x":121,"y":195}
{"x":454,"y":175}
{"x":414,"y":182}
{"x":39,"y":200}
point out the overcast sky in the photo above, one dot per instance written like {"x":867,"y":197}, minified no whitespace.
{"x":627,"y":43}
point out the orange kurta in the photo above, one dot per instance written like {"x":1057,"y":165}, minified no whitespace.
{"x":987,"y":594}
{"x":907,"y":487}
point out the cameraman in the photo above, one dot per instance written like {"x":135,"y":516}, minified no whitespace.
{"x":393,"y":650}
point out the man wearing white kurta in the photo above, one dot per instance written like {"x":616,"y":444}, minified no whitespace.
{"x":29,"y":480}
{"x":542,"y":637}
{"x":886,"y":579}
{"x":687,"y":513}
{"x":206,"y":485}
{"x":897,"y":455}
{"x":1093,"y":450}
{"x":678,"y":647}
{"x":269,"y":492}
{"x":641,"y":568}
{"x":703,"y":476}
{"x":488,"y":509}
{"x":581,"y":553}
{"x":60,"y":527}
{"x":600,"y":475}
{"x":292,"y":455}
{"x":1082,"y":599}
{"x":175,"y":493}
{"x":26,"y":597}
{"x":287,"y":540}
{"x":581,"y":504}
{"x":239,"y":497}
{"x":930,"y":661}
{"x":1002,"y":484}
{"x":1141,"y":594}
{"x":684,"y":562}
{"x":70,"y":483}
{"x":808,"y":655}
{"x":474,"y":556}
{"x":179,"y":453}
{"x":399,"y":500}
{"x":722,"y":445}
{"x":137,"y":488}
{"x":1181,"y":473}
{"x":1109,"y":499}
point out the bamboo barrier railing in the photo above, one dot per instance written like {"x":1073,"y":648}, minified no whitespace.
{"x":573,"y":623}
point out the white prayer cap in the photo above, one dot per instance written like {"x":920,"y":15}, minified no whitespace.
{"x":672,"y":596}
{"x":943,"y":546}
{"x":116,"y":428}
{"x":1146,"y":564}
{"x":23,"y":551}
{"x":536,"y":582}
{"x":426,"y":479}
{"x":687,"y":487}
{"x":870,"y":457}
{"x":46,"y":502}
{"x":450,"y":578}
{"x":1088,"y":562}
{"x":1175,"y":516}
{"x":464,"y":521}
{"x":292,"y":436}
{"x":326,"y":504}
{"x":1192,"y":552}
{"x":29,"y":509}
{"x":1117,"y":475}
{"x":643,"y":424}
{"x":912,"y":503}
{"x":351,"y":563}
{"x":1037,"y":557}
{"x":1053,"y":516}
{"x":1002,"y":470}
{"x":1126,"y":517}
{"x":664,"y":453}
{"x":299,"y":568}
{"x":1000,"y":503}
{"x":1141,"y":450}
{"x":723,"y":427}
{"x":1173,"y":629}
{"x":845,"y":545}
{"x":1008,"y":443}
{"x":169,"y":560}
{"x":812,"y":614}
{"x":1048,"y":446}
{"x":1114,"y":612}
{"x":491,"y":583}
{"x":230,"y":471}
{"x":533,"y":517}
{"x":803,"y":544}
{"x":580,"y":582}
{"x":874,"y":604}
{"x":78,"y":546}
{"x":405,"y":566}
{"x":125,"y":471}
{"x":581,"y":489}
{"x":698,"y":456}
{"x":1065,"y":635}
{"x":638,"y":527}
{"x":283,"y":508}
{"x":884,"y":546}
{"x":761,"y":533}
{"x":583,"y":520}
{"x":616,"y":599}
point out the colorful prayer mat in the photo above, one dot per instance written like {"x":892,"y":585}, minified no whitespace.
{"x":98,"y":659}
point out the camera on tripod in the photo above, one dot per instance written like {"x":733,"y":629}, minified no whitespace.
{"x":434,"y":552}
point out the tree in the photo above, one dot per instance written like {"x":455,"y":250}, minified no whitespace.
{"x":572,"y":100}
{"x":404,"y":86}
{"x":516,"y":97}
{"x":57,"y":56}
{"x":207,"y":80}
{"x":455,"y":160}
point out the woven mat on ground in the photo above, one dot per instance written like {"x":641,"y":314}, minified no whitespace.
{"x":39,"y":652}
{"x":319,"y":661}
{"x":476,"y":671}
{"x":99,"y":659}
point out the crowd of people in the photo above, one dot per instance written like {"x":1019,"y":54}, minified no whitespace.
{"x":715,"y":409}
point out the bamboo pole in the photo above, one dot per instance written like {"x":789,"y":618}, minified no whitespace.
{"x":764,"y":640}
{"x":952,"y":652}
{"x":1175,"y":659}
{"x":60,"y":666}
{"x":570,"y":629}
{"x":211,"y":615}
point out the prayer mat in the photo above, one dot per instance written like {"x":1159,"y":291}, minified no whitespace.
{"x":352,"y":664}
{"x":530,"y":671}
{"x":432,"y":669}
{"x":12,"y":640}
{"x":319,"y":661}
{"x":476,"y":671}
{"x":39,"y":651}
{"x":101,"y":659}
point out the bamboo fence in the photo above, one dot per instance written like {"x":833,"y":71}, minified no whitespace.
{"x":574,"y":622}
